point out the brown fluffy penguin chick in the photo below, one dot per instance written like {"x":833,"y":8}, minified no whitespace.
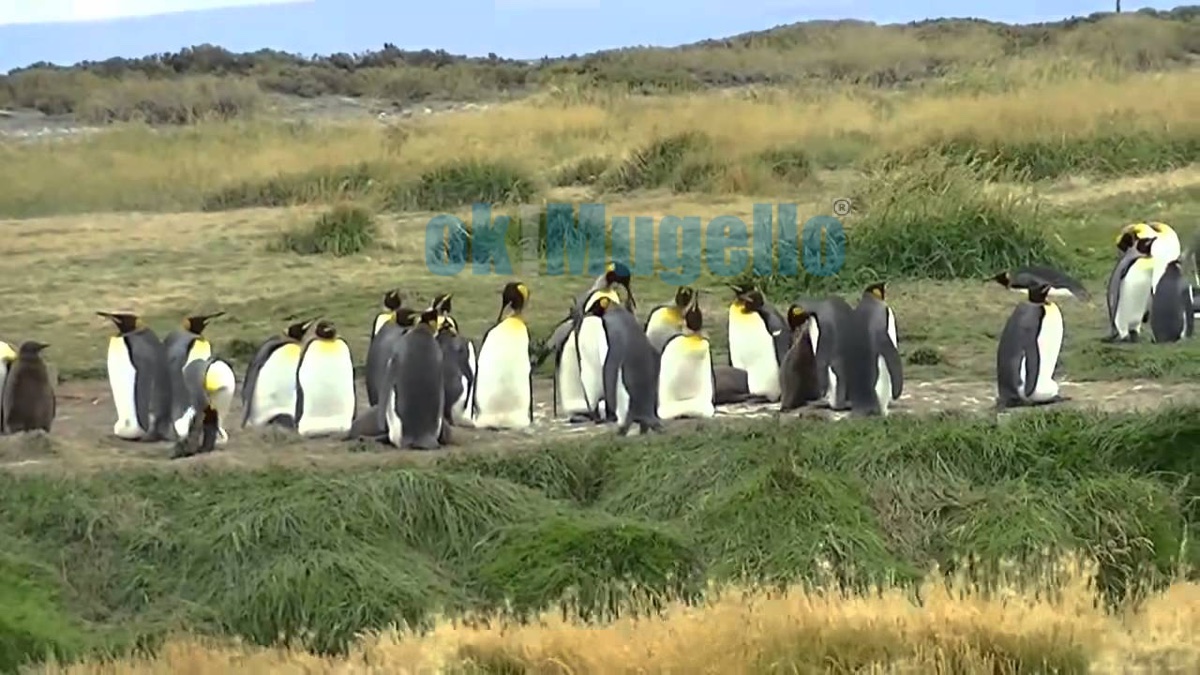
{"x":29,"y":401}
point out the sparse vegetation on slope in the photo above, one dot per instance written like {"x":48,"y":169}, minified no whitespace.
{"x":317,"y":558}
{"x":968,"y":54}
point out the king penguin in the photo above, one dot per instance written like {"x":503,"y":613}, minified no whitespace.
{"x":382,"y":346}
{"x":1129,"y":290}
{"x":29,"y":402}
{"x":829,"y":321}
{"x":215,"y":380}
{"x":758,"y":340}
{"x":1028,"y":352}
{"x":325,"y":395}
{"x":1061,"y":284}
{"x":458,"y":372}
{"x":415,"y":408}
{"x":665,"y":321}
{"x":269,"y":387}
{"x":798,"y":381}
{"x":140,"y":380}
{"x":631,"y":367}
{"x":183,"y":346}
{"x":392,"y":301}
{"x":571,"y":398}
{"x":503,"y":394}
{"x":201,"y":427}
{"x":1172,"y":317}
{"x":686,"y":379}
{"x":7,"y":356}
{"x":874,"y":371}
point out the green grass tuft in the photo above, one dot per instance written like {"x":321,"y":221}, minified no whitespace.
{"x":462,"y":183}
{"x":344,"y":230}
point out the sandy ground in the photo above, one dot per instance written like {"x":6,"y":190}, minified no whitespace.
{"x":82,"y":435}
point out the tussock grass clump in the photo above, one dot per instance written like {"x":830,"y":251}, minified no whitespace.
{"x":167,"y":102}
{"x":323,"y":185}
{"x":937,"y":220}
{"x":584,"y":171}
{"x":460,"y":183}
{"x":1112,"y":153}
{"x":792,"y":165}
{"x":680,"y":161}
{"x":346,"y":229}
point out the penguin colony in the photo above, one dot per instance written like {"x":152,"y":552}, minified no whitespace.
{"x":423,"y":377}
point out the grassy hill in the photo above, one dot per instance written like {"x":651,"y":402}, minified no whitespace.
{"x":208,"y":81}
{"x":961,"y":148}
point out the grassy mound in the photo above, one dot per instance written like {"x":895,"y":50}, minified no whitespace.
{"x":314,"y":558}
{"x":345,"y":229}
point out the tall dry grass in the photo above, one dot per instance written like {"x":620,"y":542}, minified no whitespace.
{"x":1045,"y":623}
{"x":136,"y":168}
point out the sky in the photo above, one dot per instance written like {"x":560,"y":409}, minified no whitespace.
{"x":68,"y":31}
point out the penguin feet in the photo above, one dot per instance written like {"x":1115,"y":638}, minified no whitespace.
{"x":580,"y":418}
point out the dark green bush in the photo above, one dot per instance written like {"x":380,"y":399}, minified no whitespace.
{"x":462,"y":183}
{"x":345,"y":229}
{"x":674,"y":161}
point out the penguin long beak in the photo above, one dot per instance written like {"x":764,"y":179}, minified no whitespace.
{"x":503,"y":307}
{"x":632,"y":300}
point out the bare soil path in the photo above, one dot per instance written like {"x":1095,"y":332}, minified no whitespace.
{"x":82,"y":436}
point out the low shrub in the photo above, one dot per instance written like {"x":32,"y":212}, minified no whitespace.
{"x":584,"y":171}
{"x":344,"y":230}
{"x":681,"y":162}
{"x":171,"y":101}
{"x":461,"y":183}
{"x":356,"y":181}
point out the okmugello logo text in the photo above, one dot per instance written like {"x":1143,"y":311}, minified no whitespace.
{"x":577,"y":240}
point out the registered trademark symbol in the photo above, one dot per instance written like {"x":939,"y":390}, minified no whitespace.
{"x":842,"y":207}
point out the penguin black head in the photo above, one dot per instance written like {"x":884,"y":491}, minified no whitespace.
{"x":429,"y":319}
{"x":441,"y":303}
{"x":796,"y":316}
{"x":449,"y":325}
{"x":1039,"y":293}
{"x":692,"y":317}
{"x":600,"y":306}
{"x":514,"y":296}
{"x":31,"y":349}
{"x":879,"y":290}
{"x":1003,"y":278}
{"x":124,"y":321}
{"x":752,"y":300}
{"x":325,"y":330}
{"x":619,"y":274}
{"x":197,"y":324}
{"x":684,"y":296}
{"x":741,"y":288}
{"x":1144,"y":246}
{"x":297,"y":330}
{"x":407,"y":317}
{"x":392,"y":300}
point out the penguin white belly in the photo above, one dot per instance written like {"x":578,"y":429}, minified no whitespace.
{"x":380,"y":320}
{"x":814,"y":336}
{"x":502,"y":387}
{"x":221,"y":384}
{"x":1049,"y":344}
{"x":752,"y":349}
{"x":325,"y":377}
{"x":891,"y":327}
{"x":122,"y":377}
{"x":458,"y":410}
{"x":567,"y":381}
{"x":3,"y":377}
{"x":685,"y":387}
{"x":660,"y":327}
{"x":395,"y":429}
{"x":883,"y":386}
{"x":275,"y":389}
{"x":1167,"y":247}
{"x":593,"y":350}
{"x":1134,"y":297}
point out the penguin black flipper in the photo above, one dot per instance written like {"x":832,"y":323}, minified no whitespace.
{"x":1030,"y":325}
{"x":1025,"y":277}
{"x":781,"y":333}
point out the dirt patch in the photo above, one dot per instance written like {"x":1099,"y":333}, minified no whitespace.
{"x":82,"y":437}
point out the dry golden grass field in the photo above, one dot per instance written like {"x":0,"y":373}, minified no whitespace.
{"x":110,"y":547}
{"x":1042,"y":625}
